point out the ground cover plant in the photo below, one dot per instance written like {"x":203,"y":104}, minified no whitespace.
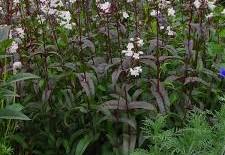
{"x":112,"y":77}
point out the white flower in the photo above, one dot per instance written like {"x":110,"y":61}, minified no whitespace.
{"x":162,"y":27}
{"x":17,"y":65}
{"x":135,"y":71}
{"x":131,"y":39}
{"x":171,"y":12}
{"x":56,"y":3}
{"x":130,"y":46}
{"x":41,"y":19}
{"x":20,"y":32}
{"x":73,"y":1}
{"x":65,"y":15}
{"x":211,"y":5}
{"x":128,"y":53}
{"x":105,"y":7}
{"x":170,"y":32}
{"x":16,"y":1}
{"x":153,"y":13}
{"x":65,"y":19}
{"x":163,"y":4}
{"x":140,"y":42}
{"x":210,"y":15}
{"x":125,"y":15}
{"x":136,"y":56}
{"x":197,"y":4}
{"x":13,"y":48}
{"x":128,"y":1}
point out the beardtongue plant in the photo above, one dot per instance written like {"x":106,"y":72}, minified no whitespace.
{"x":104,"y":66}
{"x":10,"y":109}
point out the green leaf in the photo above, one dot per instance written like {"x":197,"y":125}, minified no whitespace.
{"x":13,"y":112}
{"x":7,"y":93}
{"x":3,"y":46}
{"x":21,"y":77}
{"x":83,"y":144}
{"x":15,"y":107}
{"x":222,"y":33}
{"x":215,"y":48}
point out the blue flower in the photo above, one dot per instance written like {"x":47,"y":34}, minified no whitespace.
{"x":222,"y":73}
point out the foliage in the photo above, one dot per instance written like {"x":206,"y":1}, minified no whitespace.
{"x":79,"y":76}
{"x":202,"y":133}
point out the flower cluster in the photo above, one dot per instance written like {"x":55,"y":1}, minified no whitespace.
{"x":50,"y":7}
{"x":133,"y":53}
{"x":210,"y":4}
{"x":163,"y":6}
{"x":130,"y":51}
{"x":104,"y":7}
{"x":135,"y":71}
{"x":13,"y":48}
{"x":205,"y":4}
{"x":65,"y":19}
{"x":15,"y":34}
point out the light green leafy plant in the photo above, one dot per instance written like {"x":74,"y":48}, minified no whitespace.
{"x":202,"y":134}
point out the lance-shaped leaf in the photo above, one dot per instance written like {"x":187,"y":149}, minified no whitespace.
{"x":115,"y":76}
{"x":13,"y":112}
{"x":160,"y":93}
{"x":100,"y":65}
{"x":129,"y":139}
{"x":88,"y":44}
{"x":189,"y":47}
{"x":21,"y":77}
{"x":136,"y":94}
{"x":149,"y":57}
{"x":122,"y":105}
{"x":115,"y":104}
{"x":195,"y":79}
{"x":84,"y":142}
{"x":123,"y":119}
{"x":171,"y":49}
{"x":163,"y":59}
{"x":141,"y":105}
{"x":210,"y":73}
{"x":87,"y":83}
{"x":7,"y":93}
{"x":153,"y":45}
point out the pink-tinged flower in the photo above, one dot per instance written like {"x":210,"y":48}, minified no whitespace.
{"x":105,"y":7}
{"x":197,"y":4}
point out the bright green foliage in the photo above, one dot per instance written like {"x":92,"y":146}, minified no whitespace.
{"x":5,"y":149}
{"x":203,"y":134}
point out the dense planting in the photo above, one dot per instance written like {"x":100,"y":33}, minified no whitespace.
{"x":115,"y":77}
